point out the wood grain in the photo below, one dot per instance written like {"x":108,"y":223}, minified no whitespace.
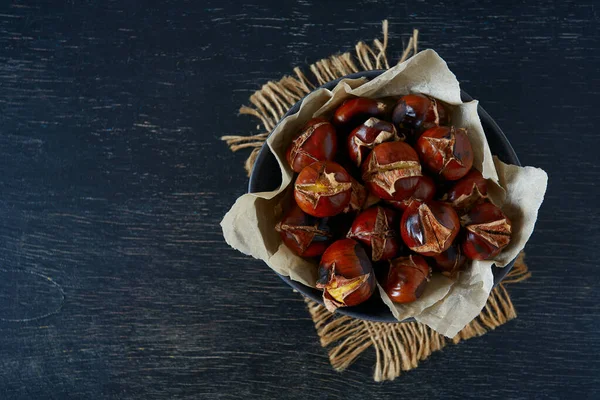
{"x":114,"y":181}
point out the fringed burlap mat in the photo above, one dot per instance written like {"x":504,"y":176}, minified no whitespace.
{"x":399,"y":347}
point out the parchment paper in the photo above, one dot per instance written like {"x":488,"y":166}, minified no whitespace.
{"x":446,"y":305}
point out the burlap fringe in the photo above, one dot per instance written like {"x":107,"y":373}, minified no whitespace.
{"x":274,"y":98}
{"x":400,"y":347}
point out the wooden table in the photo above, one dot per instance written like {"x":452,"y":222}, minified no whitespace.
{"x":113,"y":183}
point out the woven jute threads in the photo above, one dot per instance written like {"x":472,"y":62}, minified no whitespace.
{"x":401,"y":346}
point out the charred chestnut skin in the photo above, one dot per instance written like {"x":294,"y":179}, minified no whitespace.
{"x":346,"y":275}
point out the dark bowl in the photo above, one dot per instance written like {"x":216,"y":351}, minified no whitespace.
{"x":266,"y":177}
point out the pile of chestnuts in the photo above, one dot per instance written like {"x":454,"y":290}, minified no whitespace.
{"x":385,"y":192}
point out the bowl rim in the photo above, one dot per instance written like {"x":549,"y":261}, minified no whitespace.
{"x":265,"y":153}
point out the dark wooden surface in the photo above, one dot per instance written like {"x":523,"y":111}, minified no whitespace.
{"x":115,"y":281}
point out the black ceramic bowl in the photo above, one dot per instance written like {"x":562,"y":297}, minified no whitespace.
{"x":266,"y":177}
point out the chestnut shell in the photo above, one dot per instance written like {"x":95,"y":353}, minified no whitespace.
{"x":406,"y":279}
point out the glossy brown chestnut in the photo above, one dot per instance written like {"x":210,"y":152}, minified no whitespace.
{"x":429,"y":228}
{"x":392,"y":171}
{"x":406,"y":278}
{"x":467,"y":192}
{"x":345,"y":275}
{"x":446,"y":151}
{"x":304,"y":234}
{"x":425,"y":191}
{"x":323,"y":189}
{"x":376,"y":227}
{"x":451,"y":261}
{"x":368,"y":135}
{"x":354,"y":112}
{"x":317,"y":141}
{"x":487,"y":232}
{"x":415,"y":113}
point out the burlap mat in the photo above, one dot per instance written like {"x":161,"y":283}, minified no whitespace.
{"x":398,"y":346}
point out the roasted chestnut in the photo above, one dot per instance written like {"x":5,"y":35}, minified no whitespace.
{"x":358,"y":197}
{"x":424,"y":192}
{"x":487,"y":232}
{"x":467,"y":192}
{"x":316,"y":142}
{"x":392,"y":171}
{"x":354,"y":112}
{"x":451,"y":261}
{"x":376,"y":227}
{"x":406,"y":278}
{"x":323,"y":189}
{"x":429,"y":228}
{"x":366,"y":136}
{"x":446,"y":151}
{"x":345,"y":275}
{"x":415,"y":113}
{"x":304,"y":234}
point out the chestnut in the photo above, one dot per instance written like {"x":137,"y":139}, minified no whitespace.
{"x":355,"y":111}
{"x":345,"y":274}
{"x":406,"y":278}
{"x":487,"y":232}
{"x":304,"y":234}
{"x":467,"y":192}
{"x":392,"y":171}
{"x":317,"y":141}
{"x":358,"y":197}
{"x":323,"y":189}
{"x":415,"y":113}
{"x":446,"y":151}
{"x":429,"y":228}
{"x":451,"y":261}
{"x":376,"y":228}
{"x":366,"y":136}
{"x":425,"y":191}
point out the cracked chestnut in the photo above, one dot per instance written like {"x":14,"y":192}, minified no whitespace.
{"x":406,"y":278}
{"x":451,"y":261}
{"x":358,"y":197}
{"x":415,"y":113}
{"x":429,"y":228}
{"x":323,"y":189}
{"x":345,"y":275}
{"x":354,"y":112}
{"x":467,"y":192}
{"x":424,"y":192}
{"x":487,"y":232}
{"x":305,"y":235}
{"x":317,"y":141}
{"x":446,"y":151}
{"x":366,"y":136}
{"x":376,"y":227}
{"x":392,"y":171}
